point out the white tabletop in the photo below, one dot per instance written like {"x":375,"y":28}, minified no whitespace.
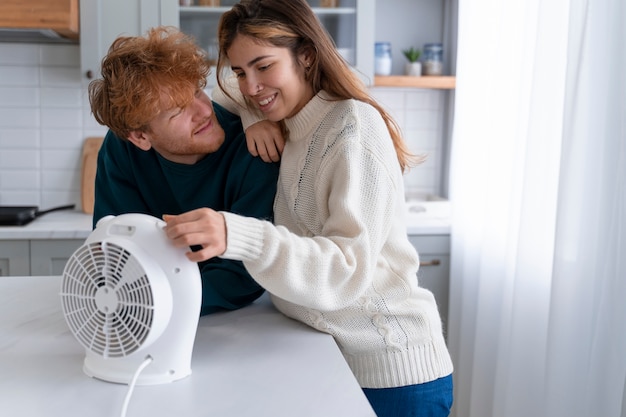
{"x":249,"y":362}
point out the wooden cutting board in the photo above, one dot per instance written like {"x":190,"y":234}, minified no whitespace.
{"x":89,"y":162}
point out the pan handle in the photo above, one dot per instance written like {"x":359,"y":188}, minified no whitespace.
{"x":42,"y":212}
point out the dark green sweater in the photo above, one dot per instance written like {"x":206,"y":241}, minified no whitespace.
{"x":130,"y":180}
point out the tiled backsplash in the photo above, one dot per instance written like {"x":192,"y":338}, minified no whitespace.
{"x":45,"y":117}
{"x":420,"y":114}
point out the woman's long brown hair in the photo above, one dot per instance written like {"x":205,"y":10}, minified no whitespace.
{"x":292,"y":24}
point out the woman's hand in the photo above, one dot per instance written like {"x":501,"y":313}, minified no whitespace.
{"x":201,"y":227}
{"x":265,"y":139}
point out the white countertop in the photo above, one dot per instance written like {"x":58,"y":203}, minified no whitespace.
{"x":63,"y":224}
{"x":423,"y":218}
{"x":428,"y":217}
{"x":249,"y":362}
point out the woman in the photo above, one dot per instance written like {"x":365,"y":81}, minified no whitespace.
{"x":338,"y":257}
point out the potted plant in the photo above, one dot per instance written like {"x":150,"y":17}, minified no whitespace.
{"x":414,"y":66}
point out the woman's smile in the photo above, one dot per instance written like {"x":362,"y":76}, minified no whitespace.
{"x":267,"y":100}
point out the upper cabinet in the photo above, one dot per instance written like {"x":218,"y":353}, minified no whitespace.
{"x":58,"y":16}
{"x":349,"y":22}
{"x":102,"y":21}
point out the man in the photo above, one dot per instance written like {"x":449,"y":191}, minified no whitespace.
{"x":171,"y":151}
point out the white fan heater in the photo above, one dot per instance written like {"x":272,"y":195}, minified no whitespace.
{"x":128,"y":295}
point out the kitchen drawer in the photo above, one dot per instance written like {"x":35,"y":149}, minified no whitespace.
{"x":434,"y":271}
{"x":36,"y":257}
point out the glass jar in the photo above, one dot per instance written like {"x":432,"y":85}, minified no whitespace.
{"x":433,"y":59}
{"x":382,"y":58}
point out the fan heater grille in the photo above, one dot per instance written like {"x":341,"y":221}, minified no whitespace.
{"x":108,"y":299}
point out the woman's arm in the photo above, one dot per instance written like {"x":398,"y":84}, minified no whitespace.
{"x":263,"y":138}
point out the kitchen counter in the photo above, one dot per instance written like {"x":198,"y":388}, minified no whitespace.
{"x":64,"y":224}
{"x":423,"y":218}
{"x":428,"y":217}
{"x":249,"y":362}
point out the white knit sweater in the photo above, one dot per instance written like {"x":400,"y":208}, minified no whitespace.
{"x":338,"y":258}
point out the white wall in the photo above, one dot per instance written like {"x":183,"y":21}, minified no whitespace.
{"x":44,"y":118}
{"x":420,"y":114}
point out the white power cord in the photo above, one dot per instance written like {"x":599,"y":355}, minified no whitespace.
{"x":133,"y":382}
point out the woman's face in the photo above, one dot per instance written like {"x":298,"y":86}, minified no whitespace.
{"x":269,"y":76}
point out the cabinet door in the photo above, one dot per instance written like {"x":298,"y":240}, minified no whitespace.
{"x":48,"y":257}
{"x":434,"y":271}
{"x":14,"y":258}
{"x":102,"y":21}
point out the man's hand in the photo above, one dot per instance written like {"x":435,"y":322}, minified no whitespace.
{"x":266,"y":140}
{"x":201,"y":227}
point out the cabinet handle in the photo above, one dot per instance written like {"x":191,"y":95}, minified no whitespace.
{"x":434,"y":262}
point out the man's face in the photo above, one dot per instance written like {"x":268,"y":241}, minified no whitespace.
{"x":183,"y":135}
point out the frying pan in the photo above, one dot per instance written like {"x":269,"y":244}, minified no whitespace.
{"x":21,"y":215}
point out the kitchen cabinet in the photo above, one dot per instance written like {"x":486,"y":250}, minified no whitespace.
{"x":60,"y":16}
{"x":434,"y":271}
{"x":48,"y":257}
{"x":102,"y":21}
{"x":36,"y":257}
{"x":14,"y":257}
{"x":350,"y":25}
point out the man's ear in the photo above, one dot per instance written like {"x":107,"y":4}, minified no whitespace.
{"x":140,"y":140}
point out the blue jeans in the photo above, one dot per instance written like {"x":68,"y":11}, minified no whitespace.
{"x":432,"y":399}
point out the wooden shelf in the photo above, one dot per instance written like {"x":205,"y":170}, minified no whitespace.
{"x":426,"y":81}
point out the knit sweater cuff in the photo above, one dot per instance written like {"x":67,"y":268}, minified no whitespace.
{"x":244,"y":237}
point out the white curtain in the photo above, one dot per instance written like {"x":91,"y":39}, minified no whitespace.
{"x":537,"y":321}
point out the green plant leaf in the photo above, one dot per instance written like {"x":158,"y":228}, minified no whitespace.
{"x":412,"y":54}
